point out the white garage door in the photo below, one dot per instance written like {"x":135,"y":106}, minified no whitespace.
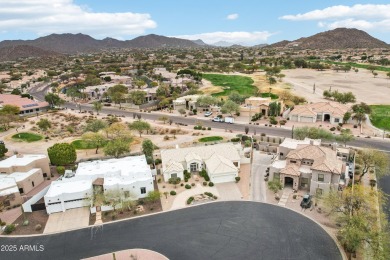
{"x":223,"y":178}
{"x":306,"y":119}
{"x":294,"y":118}
{"x":75,"y":204}
{"x":52,"y":208}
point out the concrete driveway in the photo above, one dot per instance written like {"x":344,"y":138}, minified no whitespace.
{"x":228,"y":191}
{"x":258,"y":186}
{"x":70,"y":219}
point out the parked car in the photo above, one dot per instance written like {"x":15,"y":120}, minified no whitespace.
{"x":208,"y":113}
{"x":217,"y":119}
{"x":229,"y":120}
{"x":306,"y":201}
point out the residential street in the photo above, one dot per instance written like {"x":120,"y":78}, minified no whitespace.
{"x":220,"y":230}
{"x":258,"y":186}
{"x":376,"y":143}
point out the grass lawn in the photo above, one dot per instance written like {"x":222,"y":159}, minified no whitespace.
{"x":82,"y":145}
{"x":229,"y":83}
{"x":27,"y":137}
{"x":210,"y":139}
{"x":380,"y":116}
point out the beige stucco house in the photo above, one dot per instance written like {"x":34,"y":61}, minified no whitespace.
{"x":331,"y":112}
{"x":9,"y":192}
{"x":28,"y":171}
{"x":309,"y":166}
{"x":255,"y":105}
{"x":221,"y":161}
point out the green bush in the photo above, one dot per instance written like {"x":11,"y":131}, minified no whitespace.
{"x":332,"y":129}
{"x":60,"y":170}
{"x":190,"y":200}
{"x":62,"y":154}
{"x":157,"y":161}
{"x":174,"y":180}
{"x":209,"y":194}
{"x":273,"y":121}
{"x":187,"y":186}
{"x":9,"y":229}
{"x":235,"y":140}
{"x":238,"y":179}
{"x":208,"y":128}
{"x":204,"y":174}
{"x":211,"y":184}
{"x":173,"y":193}
{"x":205,"y":183}
{"x":274,"y":185}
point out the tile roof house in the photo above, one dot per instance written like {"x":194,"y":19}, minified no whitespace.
{"x":331,"y":112}
{"x":221,"y":161}
{"x":311,"y":167}
{"x":27,"y":106}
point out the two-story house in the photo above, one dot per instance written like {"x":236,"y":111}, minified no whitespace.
{"x":309,"y":167}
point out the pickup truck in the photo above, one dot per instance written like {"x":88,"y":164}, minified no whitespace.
{"x":217,"y":119}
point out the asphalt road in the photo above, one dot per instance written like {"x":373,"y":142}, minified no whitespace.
{"x":379,"y":144}
{"x":222,"y":230}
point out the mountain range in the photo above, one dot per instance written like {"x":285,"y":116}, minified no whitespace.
{"x":56,"y":44}
{"x":339,"y":38}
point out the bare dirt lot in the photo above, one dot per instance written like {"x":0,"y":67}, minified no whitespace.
{"x":363,"y":84}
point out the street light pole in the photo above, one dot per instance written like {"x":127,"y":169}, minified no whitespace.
{"x":292,"y":132}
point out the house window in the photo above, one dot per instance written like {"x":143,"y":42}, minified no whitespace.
{"x":143,"y":190}
{"x":293,"y":161}
{"x":336,"y":120}
{"x":304,"y":182}
{"x":320,"y":177}
{"x":319,"y":191}
{"x":127,"y":194}
{"x":277,"y":176}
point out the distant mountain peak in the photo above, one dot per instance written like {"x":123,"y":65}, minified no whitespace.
{"x":339,"y":38}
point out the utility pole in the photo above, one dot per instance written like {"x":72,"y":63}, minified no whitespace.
{"x":292,"y":132}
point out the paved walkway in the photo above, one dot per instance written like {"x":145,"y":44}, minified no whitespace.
{"x":228,"y":191}
{"x":139,"y":254}
{"x":9,"y":216}
{"x":181,"y":198}
{"x":70,"y":219}
{"x":287,"y":191}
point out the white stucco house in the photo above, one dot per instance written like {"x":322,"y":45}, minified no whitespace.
{"x":130,"y":176}
{"x":221,"y":161}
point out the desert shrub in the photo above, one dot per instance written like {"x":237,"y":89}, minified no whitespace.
{"x":38,"y":227}
{"x":238,"y":179}
{"x":235,"y":140}
{"x":332,"y":129}
{"x":166,"y":138}
{"x":157,"y":161}
{"x":174,"y":180}
{"x":211,"y":184}
{"x":60,"y":170}
{"x":192,"y":184}
{"x":9,"y":229}
{"x":190,"y":200}
{"x":205,"y":183}
{"x":173,"y":193}
{"x":208,"y":128}
{"x":187,"y":186}
{"x":209,"y":194}
{"x":274,"y":185}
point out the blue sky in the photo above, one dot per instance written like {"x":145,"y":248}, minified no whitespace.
{"x":238,"y":21}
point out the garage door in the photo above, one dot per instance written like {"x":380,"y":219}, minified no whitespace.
{"x":294,"y":118}
{"x":75,"y":204}
{"x":54,"y":207}
{"x":306,"y":119}
{"x":223,"y":178}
